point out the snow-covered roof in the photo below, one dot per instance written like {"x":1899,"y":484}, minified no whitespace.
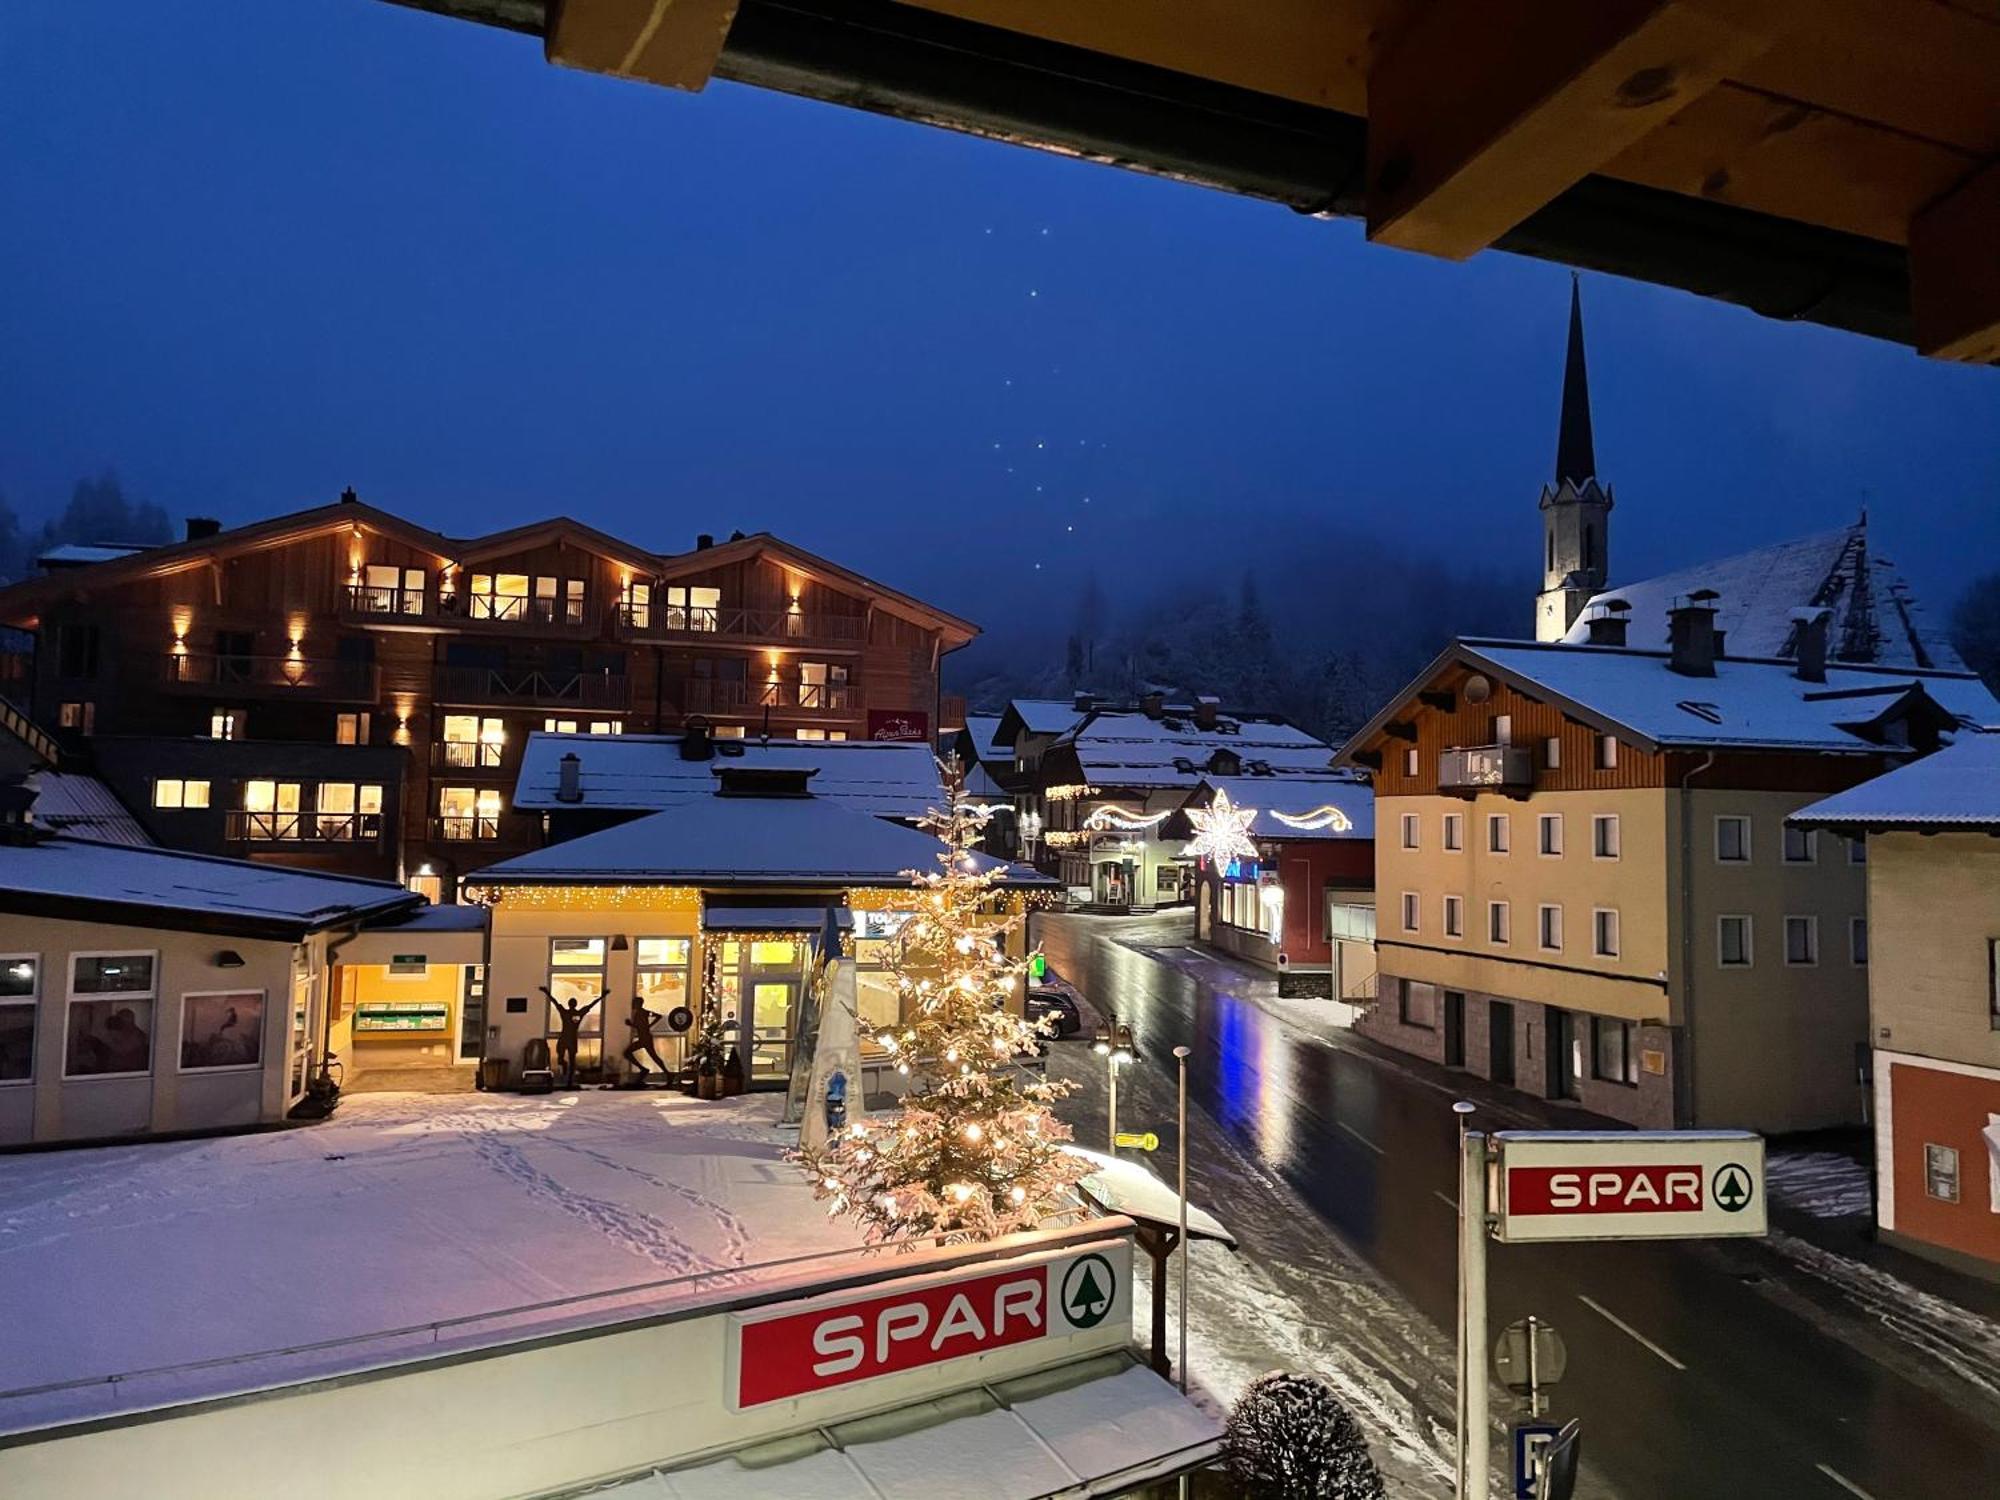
{"x":983,"y":728}
{"x":87,"y":878}
{"x":1747,"y":704}
{"x":1876,"y":617}
{"x":1302,"y":797}
{"x":80,"y":554}
{"x":1044,"y":715}
{"x":981,"y":787}
{"x":1121,"y":749}
{"x":1956,"y":787}
{"x":738,"y":840}
{"x":645,"y":772}
{"x":1125,"y":1187}
{"x":67,"y":802}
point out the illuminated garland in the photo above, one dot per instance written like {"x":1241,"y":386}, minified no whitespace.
{"x":1123,"y":822}
{"x":1069,"y":792}
{"x":588,"y":897}
{"x":1065,"y":838}
{"x":1320,"y":817}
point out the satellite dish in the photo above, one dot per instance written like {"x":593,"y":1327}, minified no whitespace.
{"x":1478,"y":688}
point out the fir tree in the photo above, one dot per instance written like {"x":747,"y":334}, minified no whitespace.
{"x":975,"y":1152}
{"x":1290,"y":1438}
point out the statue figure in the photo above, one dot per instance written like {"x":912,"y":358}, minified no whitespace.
{"x":641,"y":1021}
{"x":569,"y":1024}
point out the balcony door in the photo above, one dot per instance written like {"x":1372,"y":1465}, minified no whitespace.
{"x":271,"y":810}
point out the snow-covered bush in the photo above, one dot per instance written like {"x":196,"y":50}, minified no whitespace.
{"x":1290,"y":1438}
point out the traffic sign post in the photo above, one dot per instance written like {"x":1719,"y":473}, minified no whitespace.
{"x":1554,"y":1185}
{"x":1137,"y":1140}
{"x":1531,"y":1439}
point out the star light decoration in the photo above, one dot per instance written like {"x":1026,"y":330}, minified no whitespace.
{"x":1222,"y":831}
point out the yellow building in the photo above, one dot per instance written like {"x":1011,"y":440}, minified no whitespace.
{"x":725,"y":895}
{"x":1585,"y":886}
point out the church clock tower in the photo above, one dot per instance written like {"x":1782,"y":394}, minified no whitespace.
{"x":1576,"y":509}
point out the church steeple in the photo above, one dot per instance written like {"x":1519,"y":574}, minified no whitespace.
{"x":1576,"y":509}
{"x":1576,"y":456}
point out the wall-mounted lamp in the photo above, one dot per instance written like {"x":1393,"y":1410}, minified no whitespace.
{"x":229,"y":958}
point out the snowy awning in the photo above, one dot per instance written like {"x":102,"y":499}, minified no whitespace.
{"x":1125,"y":1187}
{"x":1097,"y":1427}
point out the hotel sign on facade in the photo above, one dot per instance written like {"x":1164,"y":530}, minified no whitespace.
{"x":801,"y":1349}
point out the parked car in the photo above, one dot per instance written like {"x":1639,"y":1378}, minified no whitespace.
{"x":1046,"y":1000}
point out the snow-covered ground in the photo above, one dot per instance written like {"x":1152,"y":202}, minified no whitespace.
{"x":1825,"y":1184}
{"x":213,"y":1263}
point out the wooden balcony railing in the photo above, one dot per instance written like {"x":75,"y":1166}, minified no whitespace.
{"x":244,"y":826}
{"x":368,"y":604}
{"x":467,"y":755}
{"x":709,"y":694}
{"x":538,"y":687}
{"x":231,"y":676}
{"x":654,"y":621}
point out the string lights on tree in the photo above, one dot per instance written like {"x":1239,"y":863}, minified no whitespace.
{"x":975,"y":1151}
{"x":1222,"y":831}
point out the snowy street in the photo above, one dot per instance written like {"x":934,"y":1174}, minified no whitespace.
{"x":1693,"y":1366}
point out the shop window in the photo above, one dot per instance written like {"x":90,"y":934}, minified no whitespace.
{"x":1499,"y":833}
{"x":1550,"y":920}
{"x":1549,"y":833}
{"x":1499,"y":922}
{"x":229,"y":724}
{"x":1732,"y":839}
{"x":1412,"y":827}
{"x":20,"y":991}
{"x":1801,"y":941}
{"x":1416,"y":1004}
{"x":1454,"y":916}
{"x":1732,"y":942}
{"x":1614,"y":1058}
{"x":576,"y":975}
{"x":222,"y":1029}
{"x":353,"y":729}
{"x":1801,"y":846}
{"x":694,"y":608}
{"x":179,"y":792}
{"x":1604,"y":830}
{"x":109,"y":1028}
{"x":1941,"y":1172}
{"x":1604,"y":932}
{"x":663,"y":972}
{"x":1454,"y":832}
{"x":1412,"y":911}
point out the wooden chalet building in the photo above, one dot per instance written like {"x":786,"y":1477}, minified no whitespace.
{"x":341,"y":688}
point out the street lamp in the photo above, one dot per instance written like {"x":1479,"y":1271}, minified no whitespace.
{"x":1114,"y":1045}
{"x":1180,"y":1058}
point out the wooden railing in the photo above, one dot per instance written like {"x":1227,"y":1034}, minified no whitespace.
{"x":244,"y":826}
{"x":228,"y":675}
{"x":536,"y":686}
{"x":683,"y":622}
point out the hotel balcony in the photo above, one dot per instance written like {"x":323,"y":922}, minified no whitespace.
{"x":504,"y":830}
{"x":657,"y":622}
{"x":207,"y":674}
{"x":245,"y":827}
{"x":468,"y":755}
{"x":1487,"y":768}
{"x":367,"y":604}
{"x":534,"y":688}
{"x":711,"y":695}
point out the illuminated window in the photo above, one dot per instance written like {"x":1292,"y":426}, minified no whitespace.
{"x":473,"y":741}
{"x":836,"y":734}
{"x":727,"y":731}
{"x":348,"y":810}
{"x":20,"y":989}
{"x":228,"y":724}
{"x":576,"y":977}
{"x":270,"y":810}
{"x":468,"y":812}
{"x":499,"y":596}
{"x":108,"y":1031}
{"x":810,"y":734}
{"x":690,"y":608}
{"x":174,"y":791}
{"x":352,"y":729}
{"x":635,"y":604}
{"x":81,"y":717}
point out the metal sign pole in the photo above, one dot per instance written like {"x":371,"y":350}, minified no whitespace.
{"x":1474,"y":1415}
{"x":1111,"y":1145}
{"x":1181,"y":1055}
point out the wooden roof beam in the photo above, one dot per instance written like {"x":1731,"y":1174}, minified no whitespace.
{"x":1955,"y":272}
{"x":673,"y":42}
{"x":1481,"y":112}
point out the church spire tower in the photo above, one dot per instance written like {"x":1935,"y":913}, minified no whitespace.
{"x":1576,"y":509}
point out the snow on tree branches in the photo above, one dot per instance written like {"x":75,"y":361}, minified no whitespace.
{"x":975,"y":1151}
{"x":1289,"y":1438}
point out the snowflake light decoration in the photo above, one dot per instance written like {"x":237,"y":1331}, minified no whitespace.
{"x":1222,"y":831}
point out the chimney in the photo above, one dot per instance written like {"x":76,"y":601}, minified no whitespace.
{"x":1083,"y":703}
{"x":1607,"y":626}
{"x":1206,"y":706}
{"x":200,"y":528}
{"x":348,"y":497}
{"x":569,"y":778}
{"x":1812,"y":626}
{"x":697,"y":741}
{"x":1152,"y":705}
{"x":703,"y":542}
{"x":1691,"y":634}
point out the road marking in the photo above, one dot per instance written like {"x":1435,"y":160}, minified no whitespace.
{"x":1619,"y":1323}
{"x":1448,"y":1202}
{"x":1361,"y":1138}
{"x":1843,"y":1481}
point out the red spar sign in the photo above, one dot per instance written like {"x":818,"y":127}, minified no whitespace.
{"x":798,"y":1349}
{"x":1602,"y":1185}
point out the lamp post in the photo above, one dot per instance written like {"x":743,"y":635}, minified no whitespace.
{"x":1114,"y":1045}
{"x":1181,"y":1057}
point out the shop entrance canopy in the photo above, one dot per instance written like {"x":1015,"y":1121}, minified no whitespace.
{"x":1826,"y":160}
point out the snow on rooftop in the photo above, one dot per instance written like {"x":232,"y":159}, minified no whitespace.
{"x":66,"y":802}
{"x":1749,"y":703}
{"x":1045,"y":715}
{"x":79,"y":554}
{"x":984,"y":730}
{"x":645,"y":772}
{"x":1302,"y":797}
{"x":1876,"y":618}
{"x":87,"y":871}
{"x":1956,"y":787}
{"x":742,"y":840}
{"x":1133,"y":749}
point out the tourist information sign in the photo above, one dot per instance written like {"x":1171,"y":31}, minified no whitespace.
{"x":1627,"y":1184}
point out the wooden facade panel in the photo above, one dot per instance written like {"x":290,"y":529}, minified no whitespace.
{"x":1766,"y":152}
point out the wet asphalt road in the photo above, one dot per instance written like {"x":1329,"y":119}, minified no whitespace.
{"x":1689,"y":1381}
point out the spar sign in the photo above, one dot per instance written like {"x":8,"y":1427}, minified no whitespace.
{"x":800,"y":1348}
{"x":1627,"y":1185}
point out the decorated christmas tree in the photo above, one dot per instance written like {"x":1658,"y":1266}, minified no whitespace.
{"x":975,"y":1151}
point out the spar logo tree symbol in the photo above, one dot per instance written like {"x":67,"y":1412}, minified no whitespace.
{"x":1087,"y":1290}
{"x":1731,"y":1188}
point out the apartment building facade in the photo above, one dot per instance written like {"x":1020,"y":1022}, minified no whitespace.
{"x":1585,"y":884}
{"x":415,"y":665}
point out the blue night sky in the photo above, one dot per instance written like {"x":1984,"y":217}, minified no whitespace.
{"x":255,"y":252}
